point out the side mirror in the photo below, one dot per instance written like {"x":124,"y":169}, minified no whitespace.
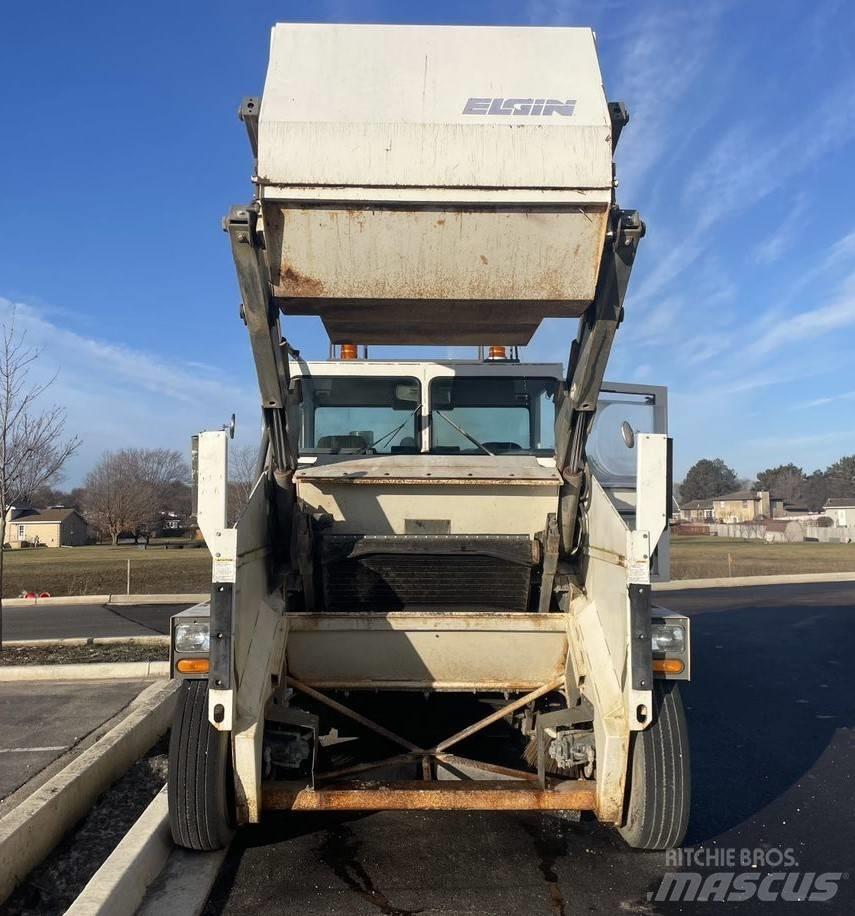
{"x":628,"y":434}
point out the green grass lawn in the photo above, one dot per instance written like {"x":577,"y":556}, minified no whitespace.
{"x":707,"y":557}
{"x":103,"y":570}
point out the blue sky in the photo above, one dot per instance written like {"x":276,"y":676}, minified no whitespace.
{"x":121,"y":151}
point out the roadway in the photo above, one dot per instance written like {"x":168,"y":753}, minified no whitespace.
{"x":771,"y":712}
{"x":62,"y":621}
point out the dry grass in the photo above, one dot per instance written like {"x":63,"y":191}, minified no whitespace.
{"x":707,"y":557}
{"x":103,"y":570}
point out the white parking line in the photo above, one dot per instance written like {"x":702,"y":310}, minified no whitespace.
{"x":32,"y":750}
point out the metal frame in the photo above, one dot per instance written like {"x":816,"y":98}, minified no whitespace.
{"x":333,"y":790}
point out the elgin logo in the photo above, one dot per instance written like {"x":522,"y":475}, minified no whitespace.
{"x":529,"y":107}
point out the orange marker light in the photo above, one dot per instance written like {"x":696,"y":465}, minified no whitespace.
{"x":497,"y":353}
{"x":349,"y":351}
{"x":193,"y":665}
{"x":667,"y":666}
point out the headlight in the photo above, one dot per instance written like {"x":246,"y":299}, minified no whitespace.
{"x":193,"y":637}
{"x":668,"y":637}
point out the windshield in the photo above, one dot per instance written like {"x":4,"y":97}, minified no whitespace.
{"x":497,"y":415}
{"x":352,"y":415}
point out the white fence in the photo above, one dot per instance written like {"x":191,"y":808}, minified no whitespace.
{"x":793,"y":531}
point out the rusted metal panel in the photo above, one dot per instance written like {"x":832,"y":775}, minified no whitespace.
{"x":433,"y":621}
{"x":434,"y":470}
{"x":499,"y":795}
{"x":361,"y":253}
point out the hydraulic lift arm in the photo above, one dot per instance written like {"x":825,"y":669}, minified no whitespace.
{"x":589,"y":355}
{"x":269,"y":349}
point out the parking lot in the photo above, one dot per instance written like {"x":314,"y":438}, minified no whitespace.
{"x":43,"y":722}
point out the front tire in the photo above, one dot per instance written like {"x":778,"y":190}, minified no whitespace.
{"x":658,"y":796}
{"x":201,"y":782}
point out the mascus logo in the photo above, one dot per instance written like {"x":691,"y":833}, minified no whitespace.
{"x":520,"y":107}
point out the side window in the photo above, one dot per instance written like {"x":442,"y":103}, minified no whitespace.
{"x":612,"y":462}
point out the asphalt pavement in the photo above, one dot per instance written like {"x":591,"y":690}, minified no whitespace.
{"x":58,"y":621}
{"x":41,"y":722}
{"x":771,"y":711}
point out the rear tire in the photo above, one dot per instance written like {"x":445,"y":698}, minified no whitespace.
{"x":658,"y":795}
{"x":201,"y":783}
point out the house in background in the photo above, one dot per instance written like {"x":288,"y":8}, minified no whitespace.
{"x":697,"y":510}
{"x":746,"y":506}
{"x":56,"y":527}
{"x":840,"y":511}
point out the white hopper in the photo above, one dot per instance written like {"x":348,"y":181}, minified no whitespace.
{"x":433,"y":184}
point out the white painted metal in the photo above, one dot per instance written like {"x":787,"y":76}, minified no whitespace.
{"x":383,"y":105}
{"x":424,"y":371}
{"x":437,"y":651}
{"x":259,"y":646}
{"x":427,"y":651}
{"x":213,"y":477}
{"x":382,"y":191}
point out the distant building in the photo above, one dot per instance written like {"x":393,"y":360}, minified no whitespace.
{"x":746,"y":506}
{"x":58,"y":527}
{"x":697,"y":510}
{"x":840,"y":511}
{"x":170,"y":524}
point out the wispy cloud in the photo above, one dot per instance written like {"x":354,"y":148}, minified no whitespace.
{"x":119,"y":396}
{"x":830,"y":399}
{"x":753,"y":159}
{"x":661,"y":60}
{"x":776,"y":244}
{"x":806,"y":325}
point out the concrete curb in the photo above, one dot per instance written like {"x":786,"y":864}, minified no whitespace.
{"x":678,"y":585}
{"x":87,"y":641}
{"x":94,"y":671}
{"x":185,"y":884}
{"x":119,"y":885}
{"x":32,"y":829}
{"x":147,"y":875}
{"x":177,"y":598}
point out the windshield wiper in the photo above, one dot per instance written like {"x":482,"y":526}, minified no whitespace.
{"x":463,"y":432}
{"x":391,"y":434}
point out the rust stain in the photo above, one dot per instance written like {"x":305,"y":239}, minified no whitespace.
{"x":318,"y":480}
{"x":483,"y":258}
{"x":440,"y":222}
{"x":295,"y":284}
{"x":476,"y":795}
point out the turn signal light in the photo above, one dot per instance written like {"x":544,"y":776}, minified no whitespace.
{"x":667,"y":666}
{"x":193,"y":665}
{"x":349,"y":351}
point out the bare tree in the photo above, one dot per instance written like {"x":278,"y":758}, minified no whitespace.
{"x":242,"y":463}
{"x":128,"y":489}
{"x":33,"y":445}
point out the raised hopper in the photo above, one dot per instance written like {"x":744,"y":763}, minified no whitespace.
{"x":439,"y":185}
